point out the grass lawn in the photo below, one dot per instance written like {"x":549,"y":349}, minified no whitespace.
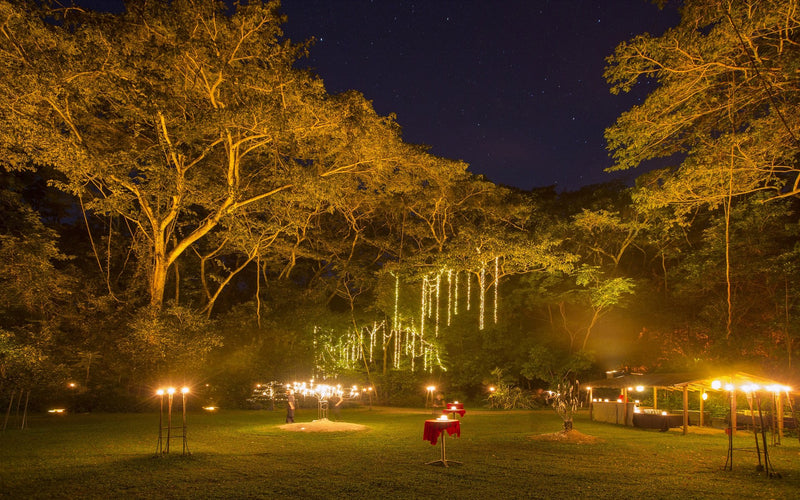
{"x":245,"y":454}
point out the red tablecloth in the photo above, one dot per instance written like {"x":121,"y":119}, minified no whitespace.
{"x":459,"y":406}
{"x":435,"y":427}
{"x":450,"y":409}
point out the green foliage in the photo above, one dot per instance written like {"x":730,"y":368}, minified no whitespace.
{"x":506,"y":396}
{"x":556,"y":367}
{"x":173,"y":344}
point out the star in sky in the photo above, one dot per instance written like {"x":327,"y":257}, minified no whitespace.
{"x":514,"y":88}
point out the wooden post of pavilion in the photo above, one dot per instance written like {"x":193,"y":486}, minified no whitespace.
{"x":702,"y":401}
{"x":685,"y":409}
{"x":655,"y":398}
{"x":625,"y":402}
{"x":779,"y":413}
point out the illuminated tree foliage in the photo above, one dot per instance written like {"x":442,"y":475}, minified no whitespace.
{"x":725,"y":105}
{"x":725,"y":111}
{"x":212,"y":210}
{"x":190,"y":124}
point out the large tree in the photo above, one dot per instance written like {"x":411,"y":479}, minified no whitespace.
{"x":725,"y":104}
{"x":186,"y":121}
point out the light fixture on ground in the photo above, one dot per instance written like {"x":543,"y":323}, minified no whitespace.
{"x":163,"y":443}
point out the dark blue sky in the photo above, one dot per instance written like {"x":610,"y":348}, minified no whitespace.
{"x":515,"y":88}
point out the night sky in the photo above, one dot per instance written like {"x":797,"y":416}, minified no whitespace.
{"x":514,"y":88}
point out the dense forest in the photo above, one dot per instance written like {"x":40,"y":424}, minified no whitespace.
{"x":183,"y":200}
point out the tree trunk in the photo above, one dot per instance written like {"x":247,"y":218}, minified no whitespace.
{"x":158,"y":281}
{"x":567,"y":425}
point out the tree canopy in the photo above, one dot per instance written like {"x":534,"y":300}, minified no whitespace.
{"x":724,"y":108}
{"x":182,"y":199}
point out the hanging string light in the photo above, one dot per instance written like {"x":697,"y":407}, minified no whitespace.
{"x":455,"y":295}
{"x":482,"y":284}
{"x":413,"y":345}
{"x":469,"y":290}
{"x":449,"y":294}
{"x":372,"y":340}
{"x":396,"y":300}
{"x":438,"y":289}
{"x":424,"y":306}
{"x":496,"y":283}
{"x":396,"y":349}
{"x":429,"y":288}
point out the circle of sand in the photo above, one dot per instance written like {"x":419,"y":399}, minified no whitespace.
{"x":571,"y":436}
{"x":323,"y":425}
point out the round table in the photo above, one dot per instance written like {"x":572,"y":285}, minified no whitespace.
{"x":439,"y":426}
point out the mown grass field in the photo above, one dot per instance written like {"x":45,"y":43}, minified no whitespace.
{"x":244,"y":454}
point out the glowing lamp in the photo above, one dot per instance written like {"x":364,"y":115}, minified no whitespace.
{"x":639,"y":388}
{"x":160,"y":392}
{"x":210,"y":408}
{"x":171,"y":390}
{"x":56,"y":411}
{"x":664,"y":413}
{"x":704,"y":396}
{"x":492,"y":389}
{"x":185,"y":390}
{"x":716,"y":385}
{"x":431,"y":388}
{"x":729,"y":387}
{"x":443,"y":417}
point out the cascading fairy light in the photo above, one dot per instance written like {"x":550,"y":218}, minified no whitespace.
{"x":438,"y":289}
{"x":373,"y":339}
{"x":482,"y":284}
{"x":424,"y":305}
{"x":469,"y":290}
{"x":413,"y":344}
{"x":449,"y":294}
{"x":396,"y":349}
{"x":455,"y":295}
{"x":496,"y":283}
{"x":396,"y":300}
{"x":431,"y":289}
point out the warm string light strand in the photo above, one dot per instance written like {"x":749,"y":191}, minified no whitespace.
{"x":449,"y":294}
{"x":405,"y":343}
{"x":496,"y":282}
{"x":482,"y":284}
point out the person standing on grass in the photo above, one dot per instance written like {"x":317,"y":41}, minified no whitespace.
{"x":290,"y":405}
{"x":438,"y":403}
{"x":337,"y":408}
